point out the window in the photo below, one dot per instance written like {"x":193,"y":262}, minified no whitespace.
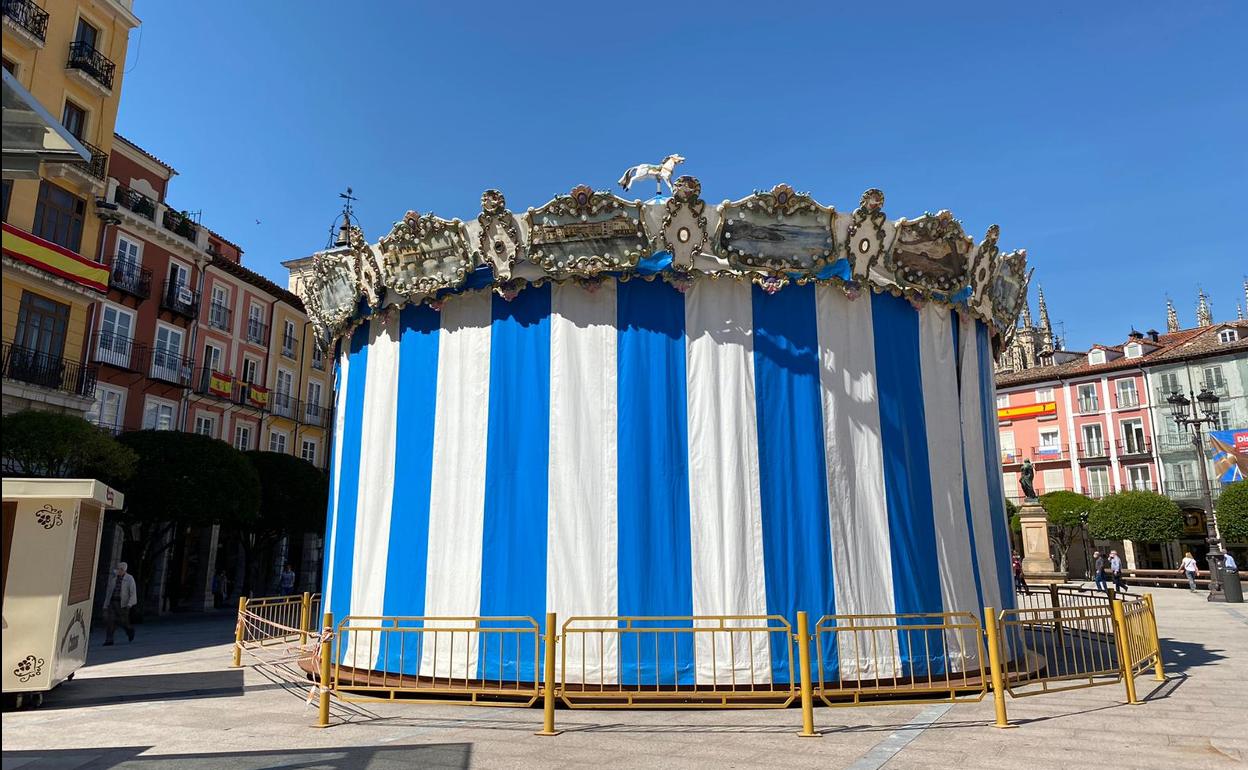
{"x":1134,"y":350}
{"x":59,"y":215}
{"x":1170,"y":383}
{"x":1213,"y":378}
{"x":74,"y":118}
{"x":206,"y":424}
{"x":288,"y":339}
{"x":114,"y":344}
{"x":1088,"y":402}
{"x":1133,"y":442}
{"x":318,"y":358}
{"x":158,"y":414}
{"x":219,"y":310}
{"x":242,"y":437}
{"x":277,"y":441}
{"x":1139,"y":477}
{"x":1008,"y":453}
{"x":86,"y":33}
{"x":109,"y":408}
{"x":314,"y":404}
{"x":1127,"y":395}
{"x":179,"y":277}
{"x":281,"y":394}
{"x":1093,"y":441}
{"x":129,"y":255}
{"x":1050,"y":443}
{"x":255,"y":323}
{"x":1221,"y":420}
{"x":1003,"y":400}
{"x":1098,"y":481}
{"x":1044,"y":395}
{"x":41,"y":325}
{"x":167,"y":355}
{"x":1228,"y":335}
{"x":1054,"y":480}
{"x":1096,"y":357}
{"x":250,"y":368}
{"x":9,"y":66}
{"x":308,"y":451}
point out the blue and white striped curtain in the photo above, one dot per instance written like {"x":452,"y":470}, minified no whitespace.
{"x":634,"y":450}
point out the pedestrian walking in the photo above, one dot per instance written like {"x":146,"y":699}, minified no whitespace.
{"x":120,"y":595}
{"x":288,"y":581}
{"x":1115,"y":568}
{"x":1189,"y":567}
{"x":1020,"y":582}
{"x":1099,"y":567}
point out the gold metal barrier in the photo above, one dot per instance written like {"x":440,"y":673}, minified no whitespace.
{"x":471,"y":659}
{"x":1051,"y":650}
{"x":920,"y":657}
{"x":271,"y":620}
{"x":691,"y":661}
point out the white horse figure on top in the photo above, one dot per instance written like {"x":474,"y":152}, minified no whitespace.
{"x":660,"y":172}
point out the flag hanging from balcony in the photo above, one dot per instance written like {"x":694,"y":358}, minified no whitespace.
{"x":58,"y":261}
{"x":220,"y":384}
{"x":257,"y":396}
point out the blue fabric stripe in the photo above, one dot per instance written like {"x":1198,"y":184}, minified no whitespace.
{"x":797,"y":547}
{"x":992,"y":461}
{"x":655,"y":565}
{"x":907,"y":479}
{"x":966,"y":489}
{"x":408,"y":554}
{"x":349,"y":482}
{"x":513,"y":571}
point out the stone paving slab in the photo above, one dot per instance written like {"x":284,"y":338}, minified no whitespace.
{"x":169,"y":700}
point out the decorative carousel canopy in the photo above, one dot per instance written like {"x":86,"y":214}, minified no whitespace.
{"x":771,"y":238}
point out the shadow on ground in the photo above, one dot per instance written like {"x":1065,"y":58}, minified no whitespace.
{"x":1180,"y":657}
{"x":444,"y":755}
{"x":108,"y":690}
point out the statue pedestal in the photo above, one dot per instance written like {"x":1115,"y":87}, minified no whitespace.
{"x":1037,"y":558}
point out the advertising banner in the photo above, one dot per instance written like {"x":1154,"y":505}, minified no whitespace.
{"x":1230,"y":453}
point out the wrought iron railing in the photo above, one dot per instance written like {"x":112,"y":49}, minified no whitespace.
{"x":171,"y":367}
{"x":289,"y":346}
{"x":219,"y":316}
{"x":116,"y":350}
{"x":1094,"y":450}
{"x":1089,"y":405}
{"x":135,"y":201}
{"x":1191,"y":489}
{"x":53,"y":372}
{"x":83,"y":56}
{"x":29,"y":17}
{"x":98,"y":165}
{"x":180,"y":224}
{"x":179,"y":298}
{"x":1135,"y":447}
{"x":1128,"y":399}
{"x":129,"y":277}
{"x":257,"y":331}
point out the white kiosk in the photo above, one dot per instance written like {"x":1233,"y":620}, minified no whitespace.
{"x":51,"y":544}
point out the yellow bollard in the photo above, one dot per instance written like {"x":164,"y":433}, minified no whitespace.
{"x":327,"y":644}
{"x":1124,"y":651}
{"x":803,"y":664}
{"x":1159,"y":670}
{"x":548,"y":705}
{"x":305,"y":618}
{"x":994,"y":663}
{"x":238,"y":633}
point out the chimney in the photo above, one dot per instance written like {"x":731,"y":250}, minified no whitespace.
{"x":1135,"y":335}
{"x":1153,"y":335}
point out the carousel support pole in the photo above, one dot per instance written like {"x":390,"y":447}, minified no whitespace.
{"x":803,"y":662}
{"x":548,"y":705}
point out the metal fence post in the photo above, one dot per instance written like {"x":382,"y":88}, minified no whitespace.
{"x":1056,"y":603}
{"x":327,"y":643}
{"x":1159,"y":671}
{"x":1124,"y":651}
{"x":803,"y":664}
{"x":548,"y":705}
{"x":994,"y":662}
{"x":305,"y":618}
{"x":238,"y":633}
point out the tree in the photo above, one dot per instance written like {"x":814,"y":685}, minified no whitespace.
{"x":1064,"y":512}
{"x":54,"y":445}
{"x":294,"y":494}
{"x":1232,"y":511}
{"x":187,"y":480}
{"x":1144,"y":516}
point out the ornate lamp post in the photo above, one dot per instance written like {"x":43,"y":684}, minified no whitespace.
{"x":1180,"y":408}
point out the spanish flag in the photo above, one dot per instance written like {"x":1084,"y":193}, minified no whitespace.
{"x":257,"y":396}
{"x":220,"y":384}
{"x":57,"y":260}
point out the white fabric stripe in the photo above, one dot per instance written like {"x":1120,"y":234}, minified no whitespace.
{"x":976,"y":473}
{"x":854,"y":457}
{"x":582,"y":534}
{"x":376,"y":495}
{"x":725,"y":509}
{"x":953,"y":546}
{"x":340,"y":402}
{"x":457,"y":486}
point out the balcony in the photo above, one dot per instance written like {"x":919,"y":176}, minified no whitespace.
{"x":1136,"y":447}
{"x":29,"y":20}
{"x":315,"y":414}
{"x":1190,"y":489}
{"x":1089,"y":405}
{"x":220,"y":316}
{"x":283,"y":405}
{"x":289,"y":346}
{"x":116,"y":350}
{"x":84,"y":58}
{"x":1128,"y":400}
{"x":318,"y":359}
{"x":54,"y":373}
{"x":128,"y":277}
{"x":98,"y":165}
{"x":1094,"y":450}
{"x":179,"y":298}
{"x":1217,"y":387}
{"x":180,"y":224}
{"x":173,"y":368}
{"x":1049,"y":453}
{"x":135,"y":201}
{"x":257,"y":332}
{"x":1140,"y":485}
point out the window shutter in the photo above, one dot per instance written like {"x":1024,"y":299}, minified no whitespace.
{"x":85,"y":542}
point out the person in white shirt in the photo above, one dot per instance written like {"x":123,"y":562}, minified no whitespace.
{"x":1190,"y":567}
{"x":1228,"y":563}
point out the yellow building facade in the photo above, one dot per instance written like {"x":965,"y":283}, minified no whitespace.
{"x":70,"y":55}
{"x":300,"y":387}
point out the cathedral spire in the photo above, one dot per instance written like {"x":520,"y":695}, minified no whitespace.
{"x":1204,"y":315}
{"x":1044,"y":312}
{"x":1026,"y":316}
{"x":1172,"y":317}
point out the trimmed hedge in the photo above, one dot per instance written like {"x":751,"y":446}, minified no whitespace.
{"x":1144,"y":516}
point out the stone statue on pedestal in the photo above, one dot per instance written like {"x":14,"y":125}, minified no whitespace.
{"x":1025,"y":479}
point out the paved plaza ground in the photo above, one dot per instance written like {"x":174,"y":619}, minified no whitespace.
{"x":169,"y":700}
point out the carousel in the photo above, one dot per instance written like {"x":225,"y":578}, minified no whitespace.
{"x":665,"y":408}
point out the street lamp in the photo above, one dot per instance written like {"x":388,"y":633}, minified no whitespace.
{"x":1087,"y":548}
{"x":1180,"y":407}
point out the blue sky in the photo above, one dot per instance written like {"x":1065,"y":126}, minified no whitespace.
{"x":1106,"y":138}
